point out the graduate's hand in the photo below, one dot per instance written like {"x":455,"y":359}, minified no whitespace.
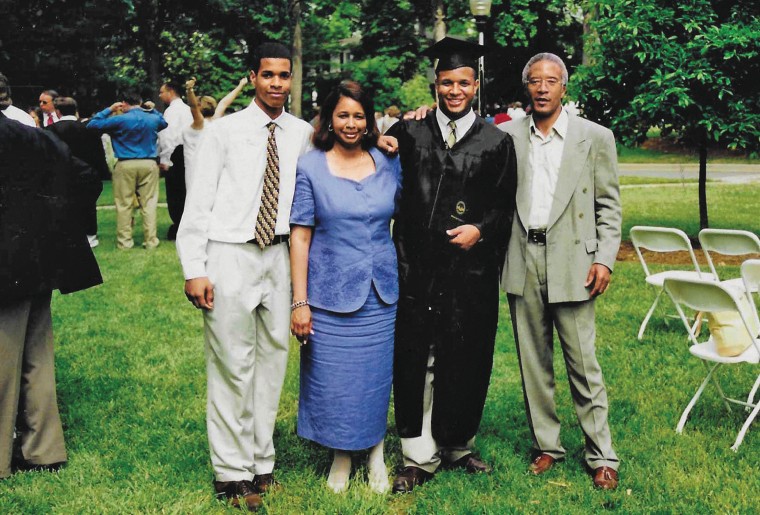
{"x":599,"y":277}
{"x":200,"y":292}
{"x":464,"y":236}
{"x":388,"y":144}
{"x":300,"y":324}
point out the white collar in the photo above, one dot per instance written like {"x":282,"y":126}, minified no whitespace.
{"x":262,"y":119}
{"x":560,"y":125}
{"x":463,"y":124}
{"x":68,"y":117}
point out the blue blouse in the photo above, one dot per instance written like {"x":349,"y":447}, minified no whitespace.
{"x":351,"y":246}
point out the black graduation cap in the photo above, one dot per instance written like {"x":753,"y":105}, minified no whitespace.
{"x":453,"y":53}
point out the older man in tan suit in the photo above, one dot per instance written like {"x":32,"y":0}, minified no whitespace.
{"x":561,"y":253}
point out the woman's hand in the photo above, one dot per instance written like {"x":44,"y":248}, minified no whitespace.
{"x":300,"y":324}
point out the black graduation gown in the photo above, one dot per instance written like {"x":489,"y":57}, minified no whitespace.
{"x":448,"y":297}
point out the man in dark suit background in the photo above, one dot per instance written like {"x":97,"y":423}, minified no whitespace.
{"x":42,"y":248}
{"x":86,"y":145}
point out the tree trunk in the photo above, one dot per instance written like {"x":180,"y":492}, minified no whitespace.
{"x":296,"y":86}
{"x":703,"y":223}
{"x":149,"y":29}
{"x":590,"y":38}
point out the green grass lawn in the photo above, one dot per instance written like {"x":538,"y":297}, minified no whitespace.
{"x":131,"y":385}
{"x":642,"y":155}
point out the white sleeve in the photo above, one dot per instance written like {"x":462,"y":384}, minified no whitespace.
{"x":192,"y":236}
{"x":171,"y":137}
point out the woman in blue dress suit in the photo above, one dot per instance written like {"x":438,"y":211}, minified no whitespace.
{"x":345,"y":284}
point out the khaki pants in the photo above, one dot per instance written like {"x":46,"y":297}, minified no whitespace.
{"x":423,"y":451}
{"x":247,"y":336}
{"x":533,"y":321}
{"x":27,"y":384}
{"x":129,"y":177}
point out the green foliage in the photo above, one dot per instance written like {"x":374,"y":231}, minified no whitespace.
{"x":415,"y":92}
{"x":519,"y":29}
{"x":688,"y":68}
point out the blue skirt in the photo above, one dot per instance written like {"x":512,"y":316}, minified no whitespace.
{"x":346,"y":376}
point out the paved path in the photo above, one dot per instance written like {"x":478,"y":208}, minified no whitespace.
{"x":733,"y":173}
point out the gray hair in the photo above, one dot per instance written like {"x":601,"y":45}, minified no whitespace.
{"x":545,"y":56}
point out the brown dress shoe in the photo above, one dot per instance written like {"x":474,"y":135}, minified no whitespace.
{"x":264,"y":483}
{"x":541,"y":463}
{"x":471,"y":464}
{"x":605,"y":478}
{"x":409,"y":478}
{"x":237,"y":491}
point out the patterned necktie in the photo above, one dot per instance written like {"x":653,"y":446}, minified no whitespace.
{"x":49,"y":120}
{"x":267,"y":218}
{"x":452,"y":137}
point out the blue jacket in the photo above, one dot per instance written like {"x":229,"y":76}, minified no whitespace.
{"x":134,"y":134}
{"x":351,"y":247}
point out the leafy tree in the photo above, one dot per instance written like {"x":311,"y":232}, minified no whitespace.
{"x":688,"y":68}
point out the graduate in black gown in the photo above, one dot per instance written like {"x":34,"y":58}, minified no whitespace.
{"x":459,"y":183}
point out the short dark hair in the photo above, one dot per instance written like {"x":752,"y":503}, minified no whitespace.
{"x":132,"y":98}
{"x":67,"y":106}
{"x":174,"y":86}
{"x":51,"y":93}
{"x":5,"y":92}
{"x":324,"y":137}
{"x":269,"y":50}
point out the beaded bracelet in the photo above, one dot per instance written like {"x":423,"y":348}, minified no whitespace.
{"x":299,"y":304}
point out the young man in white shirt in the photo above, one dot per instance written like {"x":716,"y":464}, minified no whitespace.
{"x":239,"y":275}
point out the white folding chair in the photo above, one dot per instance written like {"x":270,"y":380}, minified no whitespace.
{"x":711,"y":296}
{"x":663,"y":239}
{"x":751,"y":279}
{"x":729,"y":242}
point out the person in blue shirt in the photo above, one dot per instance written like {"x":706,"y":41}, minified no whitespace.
{"x":345,"y":284}
{"x":134,"y":135}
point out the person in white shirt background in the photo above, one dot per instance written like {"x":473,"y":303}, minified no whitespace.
{"x":204,"y":110}
{"x":171,"y":152}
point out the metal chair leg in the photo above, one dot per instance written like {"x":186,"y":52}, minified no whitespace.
{"x":751,"y":397}
{"x":693,"y":401}
{"x":745,"y":428}
{"x":649,"y":314}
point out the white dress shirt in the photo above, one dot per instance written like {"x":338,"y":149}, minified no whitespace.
{"x":224,"y":195}
{"x":190,"y":139}
{"x":45,"y":116}
{"x":463,"y":124}
{"x":543,"y":162}
{"x":177,"y":116}
{"x":14,"y":113}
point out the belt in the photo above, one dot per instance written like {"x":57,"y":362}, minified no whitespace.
{"x":537,"y":236}
{"x":137,"y":158}
{"x":280,"y":238}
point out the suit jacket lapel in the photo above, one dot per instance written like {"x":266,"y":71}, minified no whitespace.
{"x":574,"y":156}
{"x":521,"y":139}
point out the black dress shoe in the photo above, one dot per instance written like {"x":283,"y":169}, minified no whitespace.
{"x":409,"y":478}
{"x":241,"y":493}
{"x":25,"y":466}
{"x":471,"y":464}
{"x":264,"y":483}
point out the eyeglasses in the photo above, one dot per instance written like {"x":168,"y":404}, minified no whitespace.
{"x":550,"y":82}
{"x":44,"y":102}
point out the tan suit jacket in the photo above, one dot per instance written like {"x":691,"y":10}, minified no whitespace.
{"x":585,"y":220}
